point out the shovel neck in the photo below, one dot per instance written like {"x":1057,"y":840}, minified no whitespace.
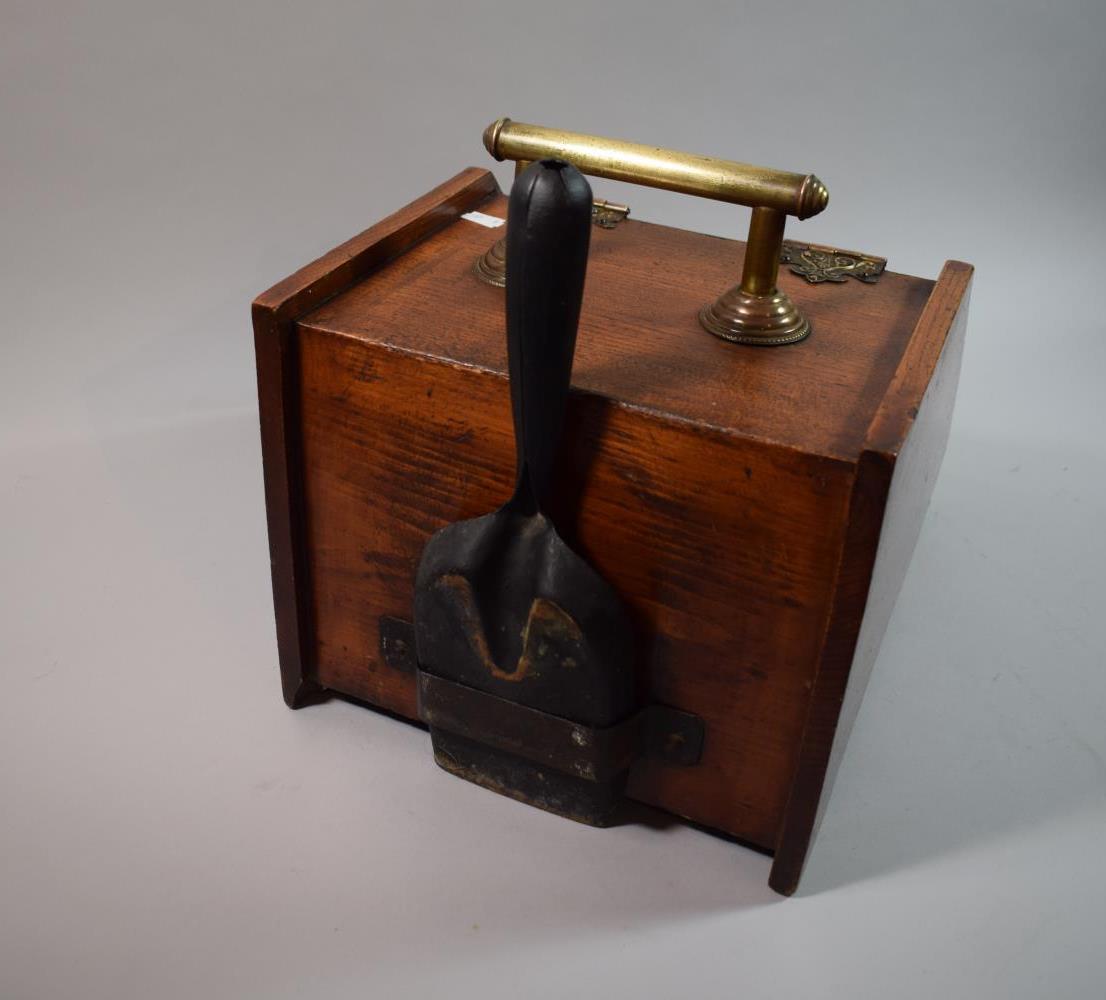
{"x":548,"y":230}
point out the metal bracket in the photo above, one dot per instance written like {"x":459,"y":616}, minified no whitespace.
{"x":397,"y":644}
{"x":553,"y":742}
{"x":674,"y":736}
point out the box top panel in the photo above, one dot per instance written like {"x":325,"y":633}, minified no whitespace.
{"x":640,"y":342}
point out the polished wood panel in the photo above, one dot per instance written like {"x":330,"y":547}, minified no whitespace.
{"x":274,"y":314}
{"x":640,"y":342}
{"x":728,"y":576}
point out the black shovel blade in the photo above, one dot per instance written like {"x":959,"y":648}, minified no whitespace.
{"x":503,"y":606}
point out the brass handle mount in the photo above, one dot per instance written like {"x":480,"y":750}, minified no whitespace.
{"x":754,"y":311}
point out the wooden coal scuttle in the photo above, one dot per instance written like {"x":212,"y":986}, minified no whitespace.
{"x":656,"y":566}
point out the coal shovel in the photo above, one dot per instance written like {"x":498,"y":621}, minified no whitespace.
{"x":525,"y":654}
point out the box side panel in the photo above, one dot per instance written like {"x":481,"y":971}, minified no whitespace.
{"x":724,"y":549}
{"x":895,"y":481}
{"x":915,"y":475}
{"x":278,"y":410}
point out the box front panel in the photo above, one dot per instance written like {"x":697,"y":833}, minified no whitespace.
{"x":725,"y":549}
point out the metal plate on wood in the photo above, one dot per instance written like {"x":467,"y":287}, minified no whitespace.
{"x":589,"y":752}
{"x":397,"y":643}
{"x":820,"y":263}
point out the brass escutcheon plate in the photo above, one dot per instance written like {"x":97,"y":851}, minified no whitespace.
{"x":819,"y":263}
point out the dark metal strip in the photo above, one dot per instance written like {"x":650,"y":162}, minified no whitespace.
{"x":596,"y":754}
{"x":593,"y":754}
{"x":657,"y":730}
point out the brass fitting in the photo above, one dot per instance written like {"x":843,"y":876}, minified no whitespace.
{"x":752,"y":312}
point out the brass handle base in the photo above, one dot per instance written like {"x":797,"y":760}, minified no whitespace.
{"x":491,"y":267}
{"x":743,"y":318}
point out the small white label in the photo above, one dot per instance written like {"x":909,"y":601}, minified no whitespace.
{"x":484,"y":220}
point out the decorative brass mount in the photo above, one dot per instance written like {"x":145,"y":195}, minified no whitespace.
{"x":754,"y":311}
{"x":819,"y":263}
{"x":608,"y":214}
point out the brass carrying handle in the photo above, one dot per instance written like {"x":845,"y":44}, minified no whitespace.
{"x":688,"y":173}
{"x":754,"y":311}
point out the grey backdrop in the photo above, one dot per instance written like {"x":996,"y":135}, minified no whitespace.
{"x":169,"y":829}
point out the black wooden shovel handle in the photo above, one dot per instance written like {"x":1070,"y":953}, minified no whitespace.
{"x":548,"y":229}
